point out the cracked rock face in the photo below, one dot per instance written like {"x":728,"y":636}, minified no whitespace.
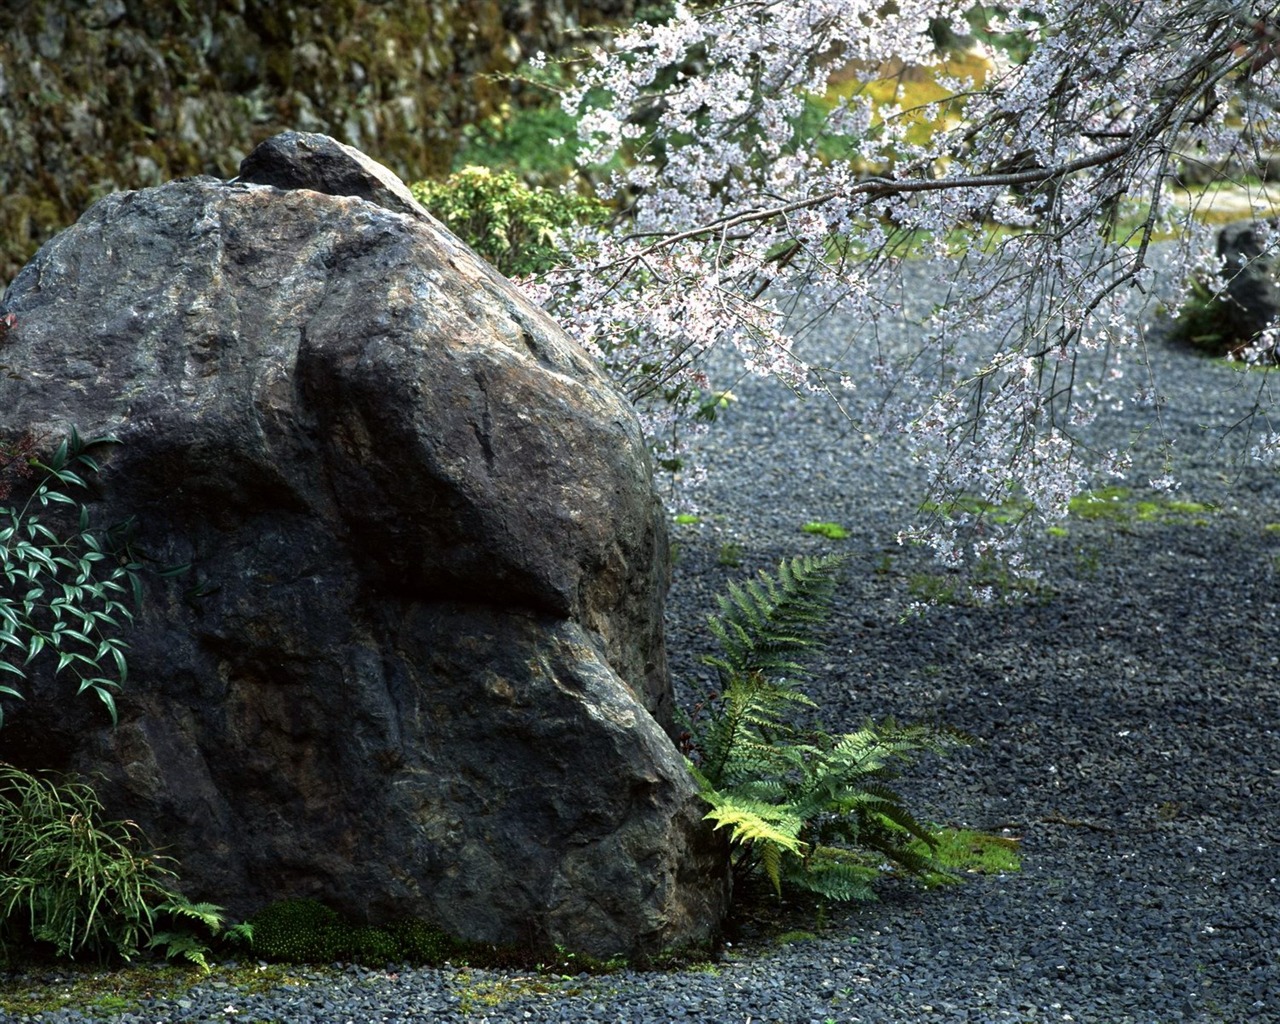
{"x":416,"y":665}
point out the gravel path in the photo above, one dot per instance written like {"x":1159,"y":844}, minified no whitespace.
{"x":1128,"y":732}
{"x":1129,"y":727}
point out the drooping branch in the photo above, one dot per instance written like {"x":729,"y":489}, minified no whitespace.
{"x":880,"y":187}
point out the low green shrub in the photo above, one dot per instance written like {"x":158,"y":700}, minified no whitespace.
{"x":803,"y":806}
{"x":307,"y":931}
{"x":520,"y":230}
{"x":70,"y":879}
{"x":297,"y":931}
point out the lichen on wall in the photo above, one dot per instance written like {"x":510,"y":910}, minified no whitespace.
{"x":117,"y":94}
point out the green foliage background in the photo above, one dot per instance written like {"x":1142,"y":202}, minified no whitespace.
{"x":98,"y":98}
{"x":520,"y":230}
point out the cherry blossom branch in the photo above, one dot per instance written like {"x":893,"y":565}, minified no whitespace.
{"x":879,"y":187}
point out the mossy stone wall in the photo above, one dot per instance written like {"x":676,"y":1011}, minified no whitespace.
{"x":118,"y":94}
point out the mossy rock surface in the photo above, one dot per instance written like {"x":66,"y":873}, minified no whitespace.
{"x":112,"y":95}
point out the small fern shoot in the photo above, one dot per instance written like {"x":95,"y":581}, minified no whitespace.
{"x":764,"y":627}
{"x":183,"y":939}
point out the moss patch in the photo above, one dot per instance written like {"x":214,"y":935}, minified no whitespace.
{"x":831,"y":531}
{"x":965,"y":851}
{"x":101,"y":994}
{"x":306,"y":931}
{"x":476,"y":995}
{"x":1118,"y":505}
{"x":1107,"y":504}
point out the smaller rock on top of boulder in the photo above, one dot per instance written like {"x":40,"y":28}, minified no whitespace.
{"x":297,"y":160}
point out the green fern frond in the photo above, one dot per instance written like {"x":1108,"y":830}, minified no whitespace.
{"x":753,"y":821}
{"x":208,"y":914}
{"x":183,"y":944}
{"x":835,"y":874}
{"x":766,"y":625}
{"x":880,"y":748}
{"x":771,"y":861}
{"x":751,"y":712}
{"x":802,"y":806}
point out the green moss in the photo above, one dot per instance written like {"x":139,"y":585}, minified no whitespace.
{"x":1107,"y":504}
{"x":95,"y":992}
{"x":961,"y":851}
{"x":832,"y":531}
{"x":1118,"y":505}
{"x":1188,"y":508}
{"x":306,"y":931}
{"x":419,"y":942}
{"x":297,"y":931}
{"x":104,"y":994}
{"x":481,"y":994}
{"x":101,"y":995}
{"x":789,"y":938}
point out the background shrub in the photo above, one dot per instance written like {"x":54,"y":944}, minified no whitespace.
{"x":69,"y":879}
{"x":519,"y":229}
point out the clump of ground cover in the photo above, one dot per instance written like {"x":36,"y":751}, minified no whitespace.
{"x":1119,"y":505}
{"x":988,"y":579}
{"x":306,"y":931}
{"x":70,"y":880}
{"x":520,"y":229}
{"x":831,"y":531}
{"x":101,"y":994}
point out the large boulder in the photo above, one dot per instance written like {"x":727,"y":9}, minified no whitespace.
{"x":416,"y":665}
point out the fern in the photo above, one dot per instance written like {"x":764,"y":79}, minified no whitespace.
{"x":802,"y":806}
{"x":207,"y":914}
{"x":765,"y":625}
{"x":190,"y":918}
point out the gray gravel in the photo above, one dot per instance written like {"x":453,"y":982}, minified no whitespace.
{"x":1127,"y":732}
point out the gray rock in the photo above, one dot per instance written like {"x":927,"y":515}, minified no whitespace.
{"x":1252,"y":299}
{"x":417,"y":665}
{"x":295,"y":160}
